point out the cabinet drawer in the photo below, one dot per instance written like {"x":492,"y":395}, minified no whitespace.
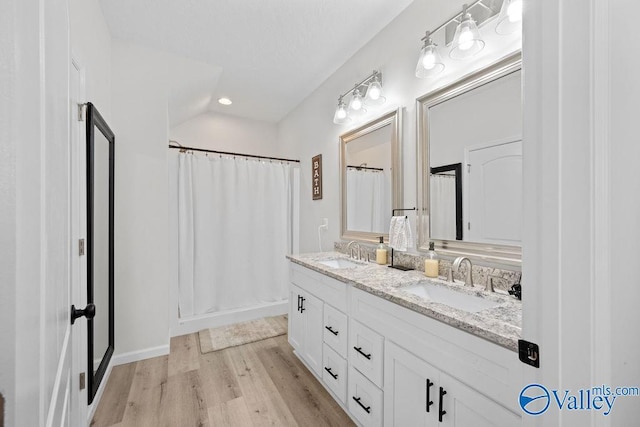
{"x":335,"y":329}
{"x":366,"y":351}
{"x":334,"y":372}
{"x":364,"y":399}
{"x":326,"y":288}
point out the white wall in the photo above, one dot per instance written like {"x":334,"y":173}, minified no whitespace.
{"x":490,"y":113}
{"x":140,"y":124}
{"x":91,"y":48}
{"x":308,"y":130}
{"x":222,"y":132}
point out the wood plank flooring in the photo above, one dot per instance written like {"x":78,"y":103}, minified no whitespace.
{"x":257,"y":384}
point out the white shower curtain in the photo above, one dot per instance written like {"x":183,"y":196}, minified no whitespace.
{"x":234,"y":219}
{"x":367,"y":203}
{"x":443,"y":206}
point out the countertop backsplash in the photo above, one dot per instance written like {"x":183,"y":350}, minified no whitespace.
{"x":503,"y":279}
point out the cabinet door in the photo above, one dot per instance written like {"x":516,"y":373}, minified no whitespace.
{"x":296,"y":320}
{"x":312,"y":314}
{"x":467,"y":407}
{"x":410,"y":390}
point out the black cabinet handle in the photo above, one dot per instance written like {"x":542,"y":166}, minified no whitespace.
{"x":89,"y":312}
{"x":366,"y":408}
{"x":335,"y":376}
{"x":359,"y":350}
{"x":328,"y":328}
{"x":302,"y":299}
{"x":429,"y":401}
{"x":441,"y":411}
{"x":299,"y":303}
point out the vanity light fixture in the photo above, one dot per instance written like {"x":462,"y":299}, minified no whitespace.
{"x":341,"y":116}
{"x":467,"y":41}
{"x":374,"y":94}
{"x":510,"y":19}
{"x":461,"y":34}
{"x":429,"y":62}
{"x":224,"y":101}
{"x":356,"y":101}
{"x":371,"y":87}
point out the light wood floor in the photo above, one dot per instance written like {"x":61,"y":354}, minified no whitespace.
{"x":257,"y":384}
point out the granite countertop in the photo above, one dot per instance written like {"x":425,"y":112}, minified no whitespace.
{"x":501,"y":324}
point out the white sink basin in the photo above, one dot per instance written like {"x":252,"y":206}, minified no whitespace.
{"x":450,"y":297}
{"x":340,"y":263}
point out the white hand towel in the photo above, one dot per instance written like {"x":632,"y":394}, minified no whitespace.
{"x":400,"y":237}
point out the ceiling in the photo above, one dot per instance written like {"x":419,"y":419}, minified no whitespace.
{"x":266,"y":55}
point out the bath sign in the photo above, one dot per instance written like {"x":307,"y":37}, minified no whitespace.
{"x":316,"y":173}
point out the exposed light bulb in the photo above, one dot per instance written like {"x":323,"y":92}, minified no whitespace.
{"x":515,"y":11}
{"x":510,"y":19}
{"x":356,"y":101}
{"x":429,"y":61}
{"x":374,"y":92}
{"x":341,"y":116}
{"x":465,"y":40}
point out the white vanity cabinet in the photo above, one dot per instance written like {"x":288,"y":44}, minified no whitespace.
{"x":390,"y":366}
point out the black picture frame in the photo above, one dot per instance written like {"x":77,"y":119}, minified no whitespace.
{"x":95,"y":122}
{"x":456,"y":168}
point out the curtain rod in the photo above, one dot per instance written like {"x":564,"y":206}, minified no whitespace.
{"x":183,"y":148}
{"x":366,"y":168}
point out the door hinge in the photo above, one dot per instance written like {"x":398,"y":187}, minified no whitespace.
{"x":468,"y":167}
{"x":82,"y":109}
{"x":81,"y":247}
{"x":82,"y":381}
{"x":468,"y":226}
{"x":529,"y":353}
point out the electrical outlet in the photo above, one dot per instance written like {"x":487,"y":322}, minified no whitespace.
{"x":325,"y":223}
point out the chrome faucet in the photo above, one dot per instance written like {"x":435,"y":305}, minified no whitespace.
{"x":351,"y":249}
{"x":468,"y":280}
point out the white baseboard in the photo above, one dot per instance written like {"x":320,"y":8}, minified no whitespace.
{"x":214,"y":320}
{"x":135,"y":356}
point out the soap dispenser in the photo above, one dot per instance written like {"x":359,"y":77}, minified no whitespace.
{"x":381,"y":252}
{"x":432,"y":262}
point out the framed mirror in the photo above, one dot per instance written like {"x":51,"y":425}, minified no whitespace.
{"x":371,"y":180}
{"x":100,"y":250}
{"x":470,"y":165}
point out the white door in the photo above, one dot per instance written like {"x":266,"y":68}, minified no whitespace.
{"x":79,"y":398}
{"x":296,"y":320}
{"x":494,"y":194}
{"x":312,"y":312}
{"x":463,"y":406}
{"x":410,"y":389}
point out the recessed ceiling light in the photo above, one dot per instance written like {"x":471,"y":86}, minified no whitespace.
{"x":225,"y":101}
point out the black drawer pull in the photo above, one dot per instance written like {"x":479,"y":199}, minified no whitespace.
{"x":359,"y":350}
{"x":302,"y":309}
{"x":441,"y":411}
{"x":366,"y":408}
{"x":335,"y":376}
{"x":330,"y":329}
{"x":429,"y":401}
